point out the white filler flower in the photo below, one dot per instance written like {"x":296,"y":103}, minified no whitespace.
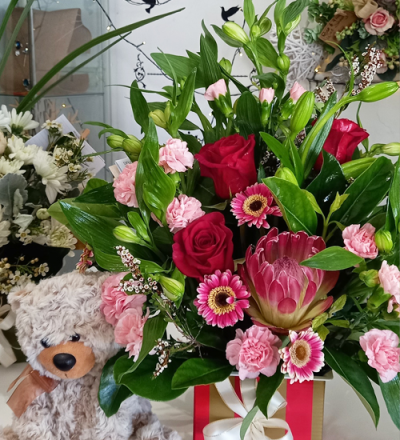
{"x":19,"y":121}
{"x":10,"y":166}
{"x":20,"y":151}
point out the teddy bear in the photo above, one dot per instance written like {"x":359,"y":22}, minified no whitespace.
{"x":67,"y":341}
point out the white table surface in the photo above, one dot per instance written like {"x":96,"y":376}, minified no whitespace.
{"x":345,"y":417}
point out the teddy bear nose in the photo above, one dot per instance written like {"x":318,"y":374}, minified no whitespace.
{"x":64,"y":361}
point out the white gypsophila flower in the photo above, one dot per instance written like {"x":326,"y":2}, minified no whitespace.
{"x":19,"y":121}
{"x":43,"y":269}
{"x":20,"y":151}
{"x":54,"y":178}
{"x":4,"y":229}
{"x":5,"y":119}
{"x":24,"y":236}
{"x":10,"y":166}
{"x":3,"y":142}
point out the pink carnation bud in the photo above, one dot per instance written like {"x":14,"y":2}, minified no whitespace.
{"x":360,"y":241}
{"x":296,"y":91}
{"x":389,"y":277}
{"x":175,"y":156}
{"x":182,"y":211}
{"x":381,"y":348}
{"x":216,"y":90}
{"x":267,"y":95}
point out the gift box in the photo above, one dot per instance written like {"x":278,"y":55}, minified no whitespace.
{"x":303,"y":412}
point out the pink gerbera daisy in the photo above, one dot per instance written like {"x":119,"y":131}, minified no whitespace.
{"x":253,"y":205}
{"x":221,"y":299}
{"x":303,"y":356}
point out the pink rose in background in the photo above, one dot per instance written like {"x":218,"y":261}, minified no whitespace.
{"x":267,"y":95}
{"x":124,"y":186}
{"x":129,"y":330}
{"x":253,"y":352}
{"x":381,"y":348}
{"x":114,"y":302}
{"x":296,"y":91}
{"x":175,"y":156}
{"x":389,"y":277}
{"x":216,"y":90}
{"x":182,"y":211}
{"x":379,"y":22}
{"x":360,"y":241}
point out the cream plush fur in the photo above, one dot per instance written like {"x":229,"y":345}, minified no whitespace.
{"x":56,"y":309}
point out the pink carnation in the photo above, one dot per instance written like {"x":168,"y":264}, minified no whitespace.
{"x":129,"y":330}
{"x":124,"y":186}
{"x":389,"y":277}
{"x":267,"y":95}
{"x":296,"y":91}
{"x":215,"y":90}
{"x":253,"y":352}
{"x":114,"y":301}
{"x":361,"y":241}
{"x":381,"y":348}
{"x":379,"y":22}
{"x":182,"y":211}
{"x":175,"y":156}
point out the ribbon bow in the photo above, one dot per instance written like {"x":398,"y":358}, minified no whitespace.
{"x":7,"y":356}
{"x":229,"y":429}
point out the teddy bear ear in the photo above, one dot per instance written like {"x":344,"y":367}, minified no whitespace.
{"x":15,"y":297}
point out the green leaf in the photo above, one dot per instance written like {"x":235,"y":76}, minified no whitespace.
{"x":355,"y":376}
{"x":328,"y":183}
{"x":57,"y":213}
{"x":394,"y":194}
{"x":266,"y":53}
{"x":103,"y":194}
{"x":249,"y":12}
{"x":210,"y":67}
{"x":185,"y":102}
{"x":153,"y":330}
{"x":342,"y":323}
{"x":182,"y":66}
{"x":199,"y":371}
{"x":137,"y":222}
{"x":293,"y":11}
{"x":319,"y":320}
{"x":338,"y":202}
{"x":338,"y":305}
{"x":365,"y":193}
{"x":391,"y":395}
{"x":143,"y":383}
{"x":333,"y":258}
{"x":140,"y":109}
{"x":212,"y":44}
{"x":111,"y":395}
{"x":266,"y":389}
{"x":25,"y":103}
{"x":93,"y":184}
{"x":228,"y":40}
{"x":323,"y":332}
{"x":278,"y":149}
{"x":296,"y":161}
{"x":278,"y":13}
{"x":313,"y":202}
{"x":7,"y":15}
{"x":149,"y":267}
{"x":110,"y":262}
{"x":294,"y":204}
{"x":247,"y":422}
{"x":248,"y":115}
{"x":310,"y":150}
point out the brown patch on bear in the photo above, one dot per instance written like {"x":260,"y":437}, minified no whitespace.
{"x":71,"y":360}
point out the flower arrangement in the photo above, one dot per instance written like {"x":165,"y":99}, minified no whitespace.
{"x":271,"y":245}
{"x":364,"y":24}
{"x":32,"y":244}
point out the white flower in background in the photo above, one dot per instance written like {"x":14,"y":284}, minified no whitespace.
{"x":23,"y":220}
{"x":4,"y":229}
{"x":5,"y":119}
{"x":10,"y":166}
{"x":43,"y":269}
{"x":19,"y":121}
{"x":61,"y":236}
{"x":23,"y":235}
{"x":20,"y":151}
{"x":54,"y":178}
{"x":73,"y":168}
{"x":18,"y":202}
{"x":19,"y":279}
{"x":53,"y":126}
{"x":3,"y":143}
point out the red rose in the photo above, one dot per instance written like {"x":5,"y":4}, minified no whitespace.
{"x":230,"y":164}
{"x":342,"y":141}
{"x":204,"y":246}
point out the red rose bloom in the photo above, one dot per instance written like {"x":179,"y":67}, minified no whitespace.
{"x":230,"y":164}
{"x":203,"y":247}
{"x":342,"y":141}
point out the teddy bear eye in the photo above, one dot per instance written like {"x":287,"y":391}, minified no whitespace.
{"x":75,"y":338}
{"x":45,"y":343}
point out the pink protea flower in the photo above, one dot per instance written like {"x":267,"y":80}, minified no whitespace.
{"x":129,"y":330}
{"x":216,"y":90}
{"x":303,"y":356}
{"x":381,"y":348}
{"x":182,"y":211}
{"x":253,"y":352}
{"x":389,"y":277}
{"x":284,"y":294}
{"x":221,"y":299}
{"x":253,"y":205}
{"x":114,"y":301}
{"x":124,"y":186}
{"x":175,"y":156}
{"x":360,"y":241}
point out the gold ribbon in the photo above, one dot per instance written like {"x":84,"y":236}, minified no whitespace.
{"x":7,"y":356}
{"x":229,"y":429}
